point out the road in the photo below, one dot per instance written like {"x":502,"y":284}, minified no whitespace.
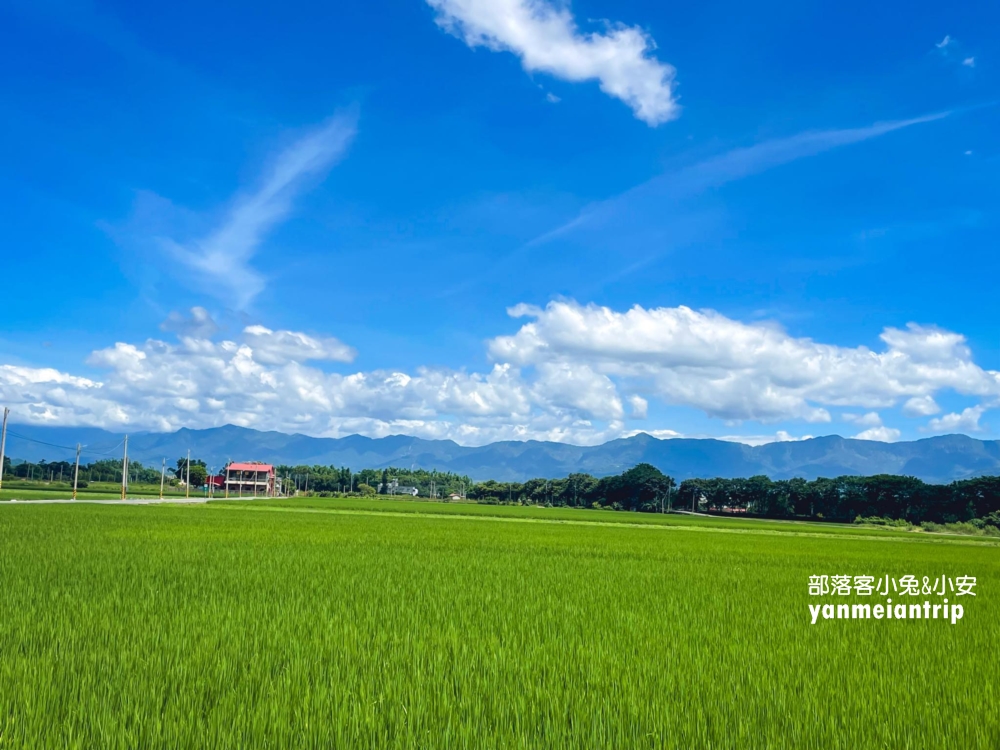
{"x":129,"y":501}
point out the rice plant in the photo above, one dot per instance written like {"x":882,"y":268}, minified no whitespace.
{"x":233,"y":626}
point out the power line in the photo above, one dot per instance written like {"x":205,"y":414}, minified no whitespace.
{"x":40,"y":442}
{"x":84,"y":449}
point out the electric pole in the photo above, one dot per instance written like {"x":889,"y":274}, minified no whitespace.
{"x":187,"y":480}
{"x":163,"y":474}
{"x":3,"y":441}
{"x":76,"y":470}
{"x":125,"y":469}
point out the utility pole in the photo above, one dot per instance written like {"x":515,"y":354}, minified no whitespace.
{"x":76,"y":470}
{"x":3,"y":441}
{"x":163,"y":474}
{"x":125,"y":469}
{"x":187,"y":480}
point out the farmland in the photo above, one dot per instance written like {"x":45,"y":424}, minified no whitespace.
{"x":315,"y":622}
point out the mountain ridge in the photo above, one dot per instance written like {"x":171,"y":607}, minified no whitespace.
{"x":941,"y":459}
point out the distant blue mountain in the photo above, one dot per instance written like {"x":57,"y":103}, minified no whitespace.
{"x":936,"y":459}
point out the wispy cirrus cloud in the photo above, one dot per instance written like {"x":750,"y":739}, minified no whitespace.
{"x":219,"y":261}
{"x":546,"y":38}
{"x":953,"y":51}
{"x":733,"y":165}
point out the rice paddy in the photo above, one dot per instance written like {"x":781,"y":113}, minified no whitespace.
{"x":327,"y":623}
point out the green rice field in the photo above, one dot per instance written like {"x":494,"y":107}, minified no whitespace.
{"x":380,"y":624}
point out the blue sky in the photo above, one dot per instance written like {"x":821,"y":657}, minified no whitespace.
{"x":486,"y":219}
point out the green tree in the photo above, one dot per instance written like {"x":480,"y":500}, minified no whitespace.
{"x":199,"y":471}
{"x":199,"y":474}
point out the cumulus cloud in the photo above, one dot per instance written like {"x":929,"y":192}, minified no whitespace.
{"x":280,"y":347}
{"x":197,"y":323}
{"x":871,"y":419}
{"x":219,"y":262}
{"x":881,"y":433}
{"x":640,"y":406}
{"x":876,"y":430}
{"x":920,"y":406}
{"x":261,"y":381}
{"x":742,"y":371}
{"x":967,"y":421}
{"x":573,"y":373}
{"x":781,"y":436}
{"x":546,"y":38}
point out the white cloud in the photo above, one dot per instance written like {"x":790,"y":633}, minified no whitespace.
{"x":781,"y":436}
{"x":546,"y":38}
{"x":197,"y":323}
{"x":881,"y":433}
{"x":219,"y":262}
{"x":954,"y":52}
{"x":967,"y":421}
{"x":658,"y":434}
{"x":280,"y":347}
{"x":640,"y":406}
{"x":871,"y":419}
{"x":920,"y":406}
{"x":256,"y":383}
{"x":741,"y":371}
{"x":561,"y":376}
{"x":784,"y":437}
{"x":876,"y":430}
{"x":552,"y":98}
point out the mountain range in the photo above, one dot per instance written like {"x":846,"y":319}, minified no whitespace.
{"x":936,"y":459}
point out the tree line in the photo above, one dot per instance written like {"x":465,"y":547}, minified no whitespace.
{"x":332,"y":480}
{"x":642,"y":488}
{"x":105,"y":470}
{"x":846,"y":498}
{"x":645,"y":488}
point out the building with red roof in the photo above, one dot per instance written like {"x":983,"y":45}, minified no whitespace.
{"x":251,"y":479}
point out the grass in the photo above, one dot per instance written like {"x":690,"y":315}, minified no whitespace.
{"x":573,"y":515}
{"x":353,"y":623}
{"x":24,"y":490}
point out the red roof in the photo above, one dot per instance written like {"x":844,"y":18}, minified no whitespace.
{"x":251,"y":467}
